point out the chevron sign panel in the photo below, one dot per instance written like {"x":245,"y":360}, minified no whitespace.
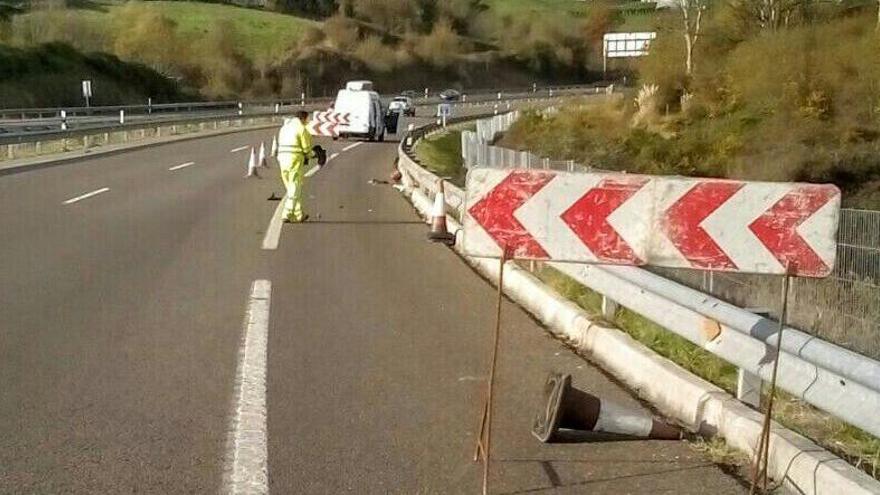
{"x":326,"y":123}
{"x":708,"y":224}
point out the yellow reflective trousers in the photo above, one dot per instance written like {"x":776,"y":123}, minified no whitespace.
{"x":292,"y":177}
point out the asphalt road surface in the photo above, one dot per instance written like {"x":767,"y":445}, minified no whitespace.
{"x":127,"y":305}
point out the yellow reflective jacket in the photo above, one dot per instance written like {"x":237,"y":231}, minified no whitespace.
{"x":294,"y":144}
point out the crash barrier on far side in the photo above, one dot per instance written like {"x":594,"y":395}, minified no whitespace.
{"x":834,"y":379}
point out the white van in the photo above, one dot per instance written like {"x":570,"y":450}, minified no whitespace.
{"x":364,"y":108}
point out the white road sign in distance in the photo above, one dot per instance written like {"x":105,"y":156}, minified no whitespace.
{"x":621,"y":45}
{"x":709,"y":224}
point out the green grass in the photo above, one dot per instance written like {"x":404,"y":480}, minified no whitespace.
{"x":441,"y":154}
{"x":260,"y":36}
{"x":551,"y":8}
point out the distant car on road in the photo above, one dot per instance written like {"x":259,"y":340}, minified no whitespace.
{"x":450,"y":95}
{"x":402,"y":104}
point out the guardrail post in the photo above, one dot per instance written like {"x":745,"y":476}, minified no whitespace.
{"x":499,"y":95}
{"x":302,"y":99}
{"x":64,"y":120}
{"x":240,"y":108}
{"x":551,"y":92}
{"x":277,"y":108}
{"x":495,"y":109}
{"x":122,"y":117}
{"x":534,"y":87}
{"x":149,"y":106}
{"x":749,"y":385}
{"x":609,"y":308}
{"x":426,"y":93}
{"x":409,"y":139}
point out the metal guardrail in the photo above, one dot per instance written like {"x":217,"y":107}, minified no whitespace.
{"x":18,"y":125}
{"x":832,"y":378}
{"x":843,"y":309}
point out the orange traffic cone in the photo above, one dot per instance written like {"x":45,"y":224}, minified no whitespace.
{"x":563,"y":406}
{"x":262,"y":156}
{"x":252,"y":166}
{"x":438,"y":220}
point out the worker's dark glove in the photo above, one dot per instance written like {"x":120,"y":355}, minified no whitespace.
{"x":320,"y":154}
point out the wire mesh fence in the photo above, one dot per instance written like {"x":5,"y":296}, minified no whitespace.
{"x":843,"y":308}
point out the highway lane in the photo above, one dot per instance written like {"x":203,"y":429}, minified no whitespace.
{"x":121,"y":316}
{"x":122,"y":319}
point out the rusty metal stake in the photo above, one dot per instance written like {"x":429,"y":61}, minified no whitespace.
{"x":759,"y":469}
{"x":486,"y":423}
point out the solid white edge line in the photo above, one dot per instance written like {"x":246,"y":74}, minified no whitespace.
{"x":273,"y":231}
{"x":182,"y":165}
{"x":86,"y":195}
{"x":240,"y":148}
{"x":352,"y":146}
{"x":247,"y":468}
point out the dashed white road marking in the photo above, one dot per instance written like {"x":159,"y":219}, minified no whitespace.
{"x":240,"y":148}
{"x":273,"y":231}
{"x":86,"y":195}
{"x":247,"y":455}
{"x":352,"y":146}
{"x":182,"y":165}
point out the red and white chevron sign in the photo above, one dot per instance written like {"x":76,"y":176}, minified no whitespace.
{"x":326,"y":123}
{"x":709,"y":224}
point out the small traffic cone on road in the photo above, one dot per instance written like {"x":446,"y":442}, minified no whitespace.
{"x":274,"y":150}
{"x":252,"y":166}
{"x":438,"y":220}
{"x":262,"y":156}
{"x":563,"y":406}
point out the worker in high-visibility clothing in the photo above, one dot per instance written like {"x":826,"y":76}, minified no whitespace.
{"x":294,"y":152}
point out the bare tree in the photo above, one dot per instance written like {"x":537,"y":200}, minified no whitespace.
{"x":769,"y":14}
{"x":692,"y":15}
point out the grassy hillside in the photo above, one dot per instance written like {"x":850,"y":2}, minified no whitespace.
{"x":50,"y":75}
{"x":260,"y":36}
{"x":799,"y":104}
{"x":225,"y":51}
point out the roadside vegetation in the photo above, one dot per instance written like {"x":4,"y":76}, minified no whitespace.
{"x":222,"y":50}
{"x":50,"y":74}
{"x":795,"y":103}
{"x":441,"y":153}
